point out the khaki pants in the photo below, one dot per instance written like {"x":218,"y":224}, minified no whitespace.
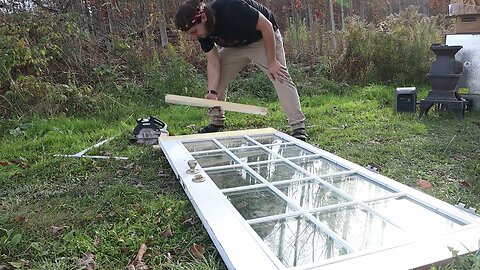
{"x":232,"y":60}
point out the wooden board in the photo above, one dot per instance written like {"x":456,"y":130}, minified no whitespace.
{"x":208,"y":103}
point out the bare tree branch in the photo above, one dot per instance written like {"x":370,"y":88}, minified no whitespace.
{"x":41,"y":5}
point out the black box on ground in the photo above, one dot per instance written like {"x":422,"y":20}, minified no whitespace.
{"x":406,"y":99}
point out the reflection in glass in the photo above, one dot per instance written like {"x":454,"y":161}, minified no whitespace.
{"x":318,"y":166}
{"x":361,"y":229}
{"x":277,"y":171}
{"x":413,"y":217}
{"x":310,"y":194}
{"x":258,"y":203}
{"x":235,"y":142}
{"x":289,"y":151}
{"x":297,"y":241}
{"x":200,"y":146}
{"x":234,"y":177}
{"x":214,"y":159}
{"x":358,"y":186}
{"x":253,"y":154}
{"x":268,"y":139}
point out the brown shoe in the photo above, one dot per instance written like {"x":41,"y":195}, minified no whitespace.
{"x":300,"y":134}
{"x":211,"y":128}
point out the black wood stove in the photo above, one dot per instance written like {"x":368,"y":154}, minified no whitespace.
{"x":443,"y":77}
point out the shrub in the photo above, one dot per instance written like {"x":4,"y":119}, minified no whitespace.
{"x":33,"y":94}
{"x":172,"y":75}
{"x":395,"y":51}
{"x":255,"y":84}
{"x":303,"y":43}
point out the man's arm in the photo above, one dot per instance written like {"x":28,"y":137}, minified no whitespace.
{"x":275,"y":68}
{"x":213,"y":69}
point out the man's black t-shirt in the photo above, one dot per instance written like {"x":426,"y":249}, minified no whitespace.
{"x":235,"y":24}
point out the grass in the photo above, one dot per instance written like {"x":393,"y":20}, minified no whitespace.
{"x":54,"y":211}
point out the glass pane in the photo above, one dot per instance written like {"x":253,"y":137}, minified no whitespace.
{"x":268,"y":139}
{"x":258,"y":203}
{"x":358,"y":186}
{"x":253,"y":155}
{"x":235,"y":142}
{"x":200,"y":146}
{"x":413,"y":217}
{"x":310,"y":194}
{"x":214,"y":159}
{"x":361,"y":229}
{"x":288,"y":151}
{"x":234,"y":177}
{"x":297,"y":241}
{"x":318,"y":166}
{"x":277,"y":171}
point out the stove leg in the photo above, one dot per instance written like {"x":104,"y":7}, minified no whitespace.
{"x":459,"y":109}
{"x":425,"y":107}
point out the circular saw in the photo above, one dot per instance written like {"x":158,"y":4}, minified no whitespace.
{"x":148,"y":130}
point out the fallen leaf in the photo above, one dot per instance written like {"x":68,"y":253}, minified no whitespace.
{"x":24,"y":165}
{"x":197,"y":251}
{"x":191,"y":221}
{"x":163,"y":174}
{"x":19,"y":174}
{"x":169,"y":257}
{"x":138,"y":264}
{"x":16,"y":264}
{"x":64,"y":165}
{"x":107,"y":153}
{"x":17,"y":161}
{"x":97,"y":241}
{"x":4,"y":163}
{"x":124,"y":249}
{"x":167,"y":233}
{"x":20,"y":219}
{"x":141,"y":252}
{"x":424,"y":184}
{"x":58,"y":230}
{"x":464,"y":183}
{"x":141,"y":266}
{"x":128,"y":166}
{"x":87,"y":261}
{"x":140,"y":209}
{"x":150,"y":239}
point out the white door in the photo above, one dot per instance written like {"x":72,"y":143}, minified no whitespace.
{"x":270,"y":201}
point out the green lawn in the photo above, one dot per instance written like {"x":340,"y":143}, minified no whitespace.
{"x":54,"y":211}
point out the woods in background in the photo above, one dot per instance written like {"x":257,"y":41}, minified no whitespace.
{"x":66,"y":55}
{"x":154,"y":16}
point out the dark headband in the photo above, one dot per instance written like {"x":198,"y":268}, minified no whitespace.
{"x":196,"y":20}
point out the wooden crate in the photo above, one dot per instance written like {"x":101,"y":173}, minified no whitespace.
{"x":465,"y":24}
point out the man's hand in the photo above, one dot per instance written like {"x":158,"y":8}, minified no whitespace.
{"x":212,"y":95}
{"x":277,"y":71}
